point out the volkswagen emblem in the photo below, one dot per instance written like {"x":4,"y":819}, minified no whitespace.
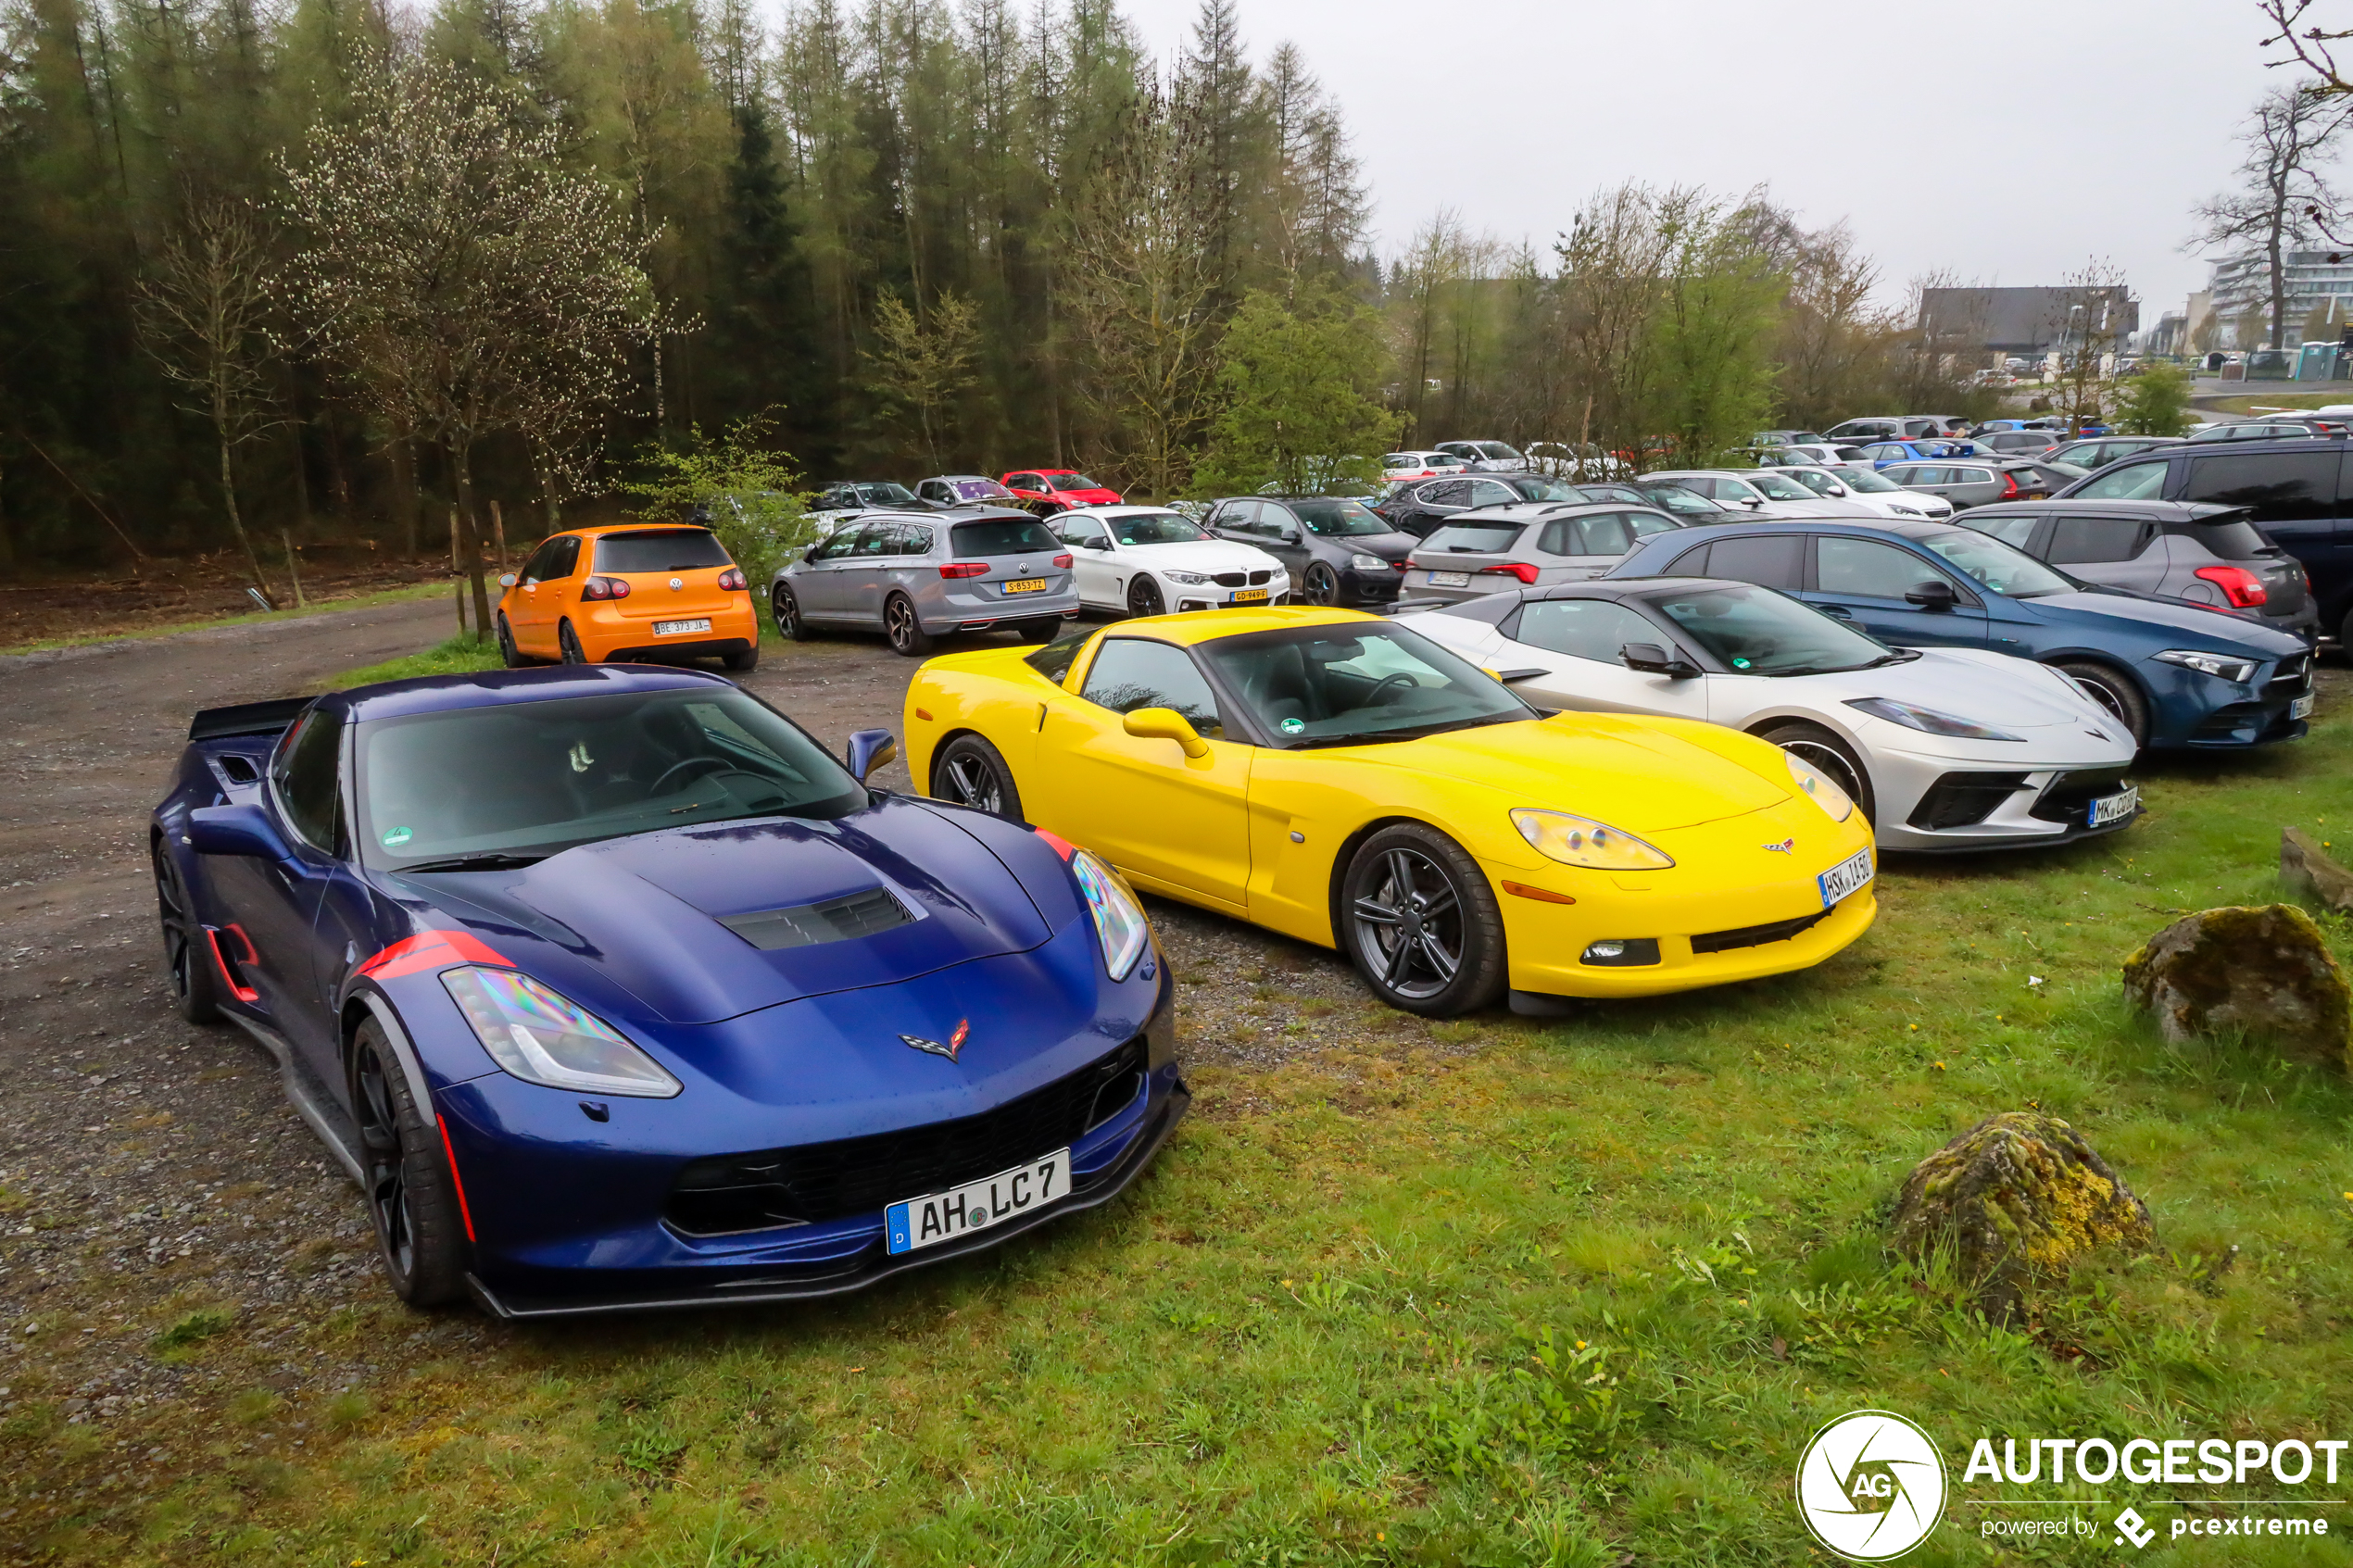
{"x":933,"y":1047}
{"x":676,"y":583}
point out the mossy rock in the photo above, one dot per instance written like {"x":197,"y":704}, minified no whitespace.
{"x":2263,"y":971}
{"x":2018,"y":1197}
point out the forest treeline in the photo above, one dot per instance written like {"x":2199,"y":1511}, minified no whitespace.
{"x":898,"y":237}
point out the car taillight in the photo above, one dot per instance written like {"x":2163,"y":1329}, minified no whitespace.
{"x":1064,"y":563}
{"x":2010,"y":487}
{"x":964,"y":568}
{"x":733,"y":580}
{"x":2242,"y":587}
{"x":605,"y":588}
{"x":1524,"y":571}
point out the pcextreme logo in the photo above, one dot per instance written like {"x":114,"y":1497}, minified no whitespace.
{"x":1871,"y":1486}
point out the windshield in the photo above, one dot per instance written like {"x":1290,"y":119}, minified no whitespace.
{"x":1867,"y":482}
{"x":1757,"y":632}
{"x":1815,"y":480}
{"x":1334,"y":686}
{"x":1495,"y":451}
{"x":979,"y":490}
{"x":1472,"y":537}
{"x":1536,"y":488}
{"x":667,"y":549}
{"x":1072,"y":482}
{"x":1002,"y":536}
{"x":1778,"y":486}
{"x":1339,"y":519}
{"x":1998,"y":566}
{"x":1153,"y":528}
{"x":884,"y":495}
{"x":1675,"y":498}
{"x":529,"y":779}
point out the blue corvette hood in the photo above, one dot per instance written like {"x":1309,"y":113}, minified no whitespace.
{"x":2205,"y":628}
{"x":705,"y":923}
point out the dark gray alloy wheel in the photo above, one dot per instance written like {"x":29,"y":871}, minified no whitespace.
{"x":1321,"y":585}
{"x":787,"y":612}
{"x":1421,"y":923}
{"x":1144,"y":597}
{"x":412,"y":1199}
{"x":970,"y":771}
{"x":187,"y":951}
{"x":904,"y":628}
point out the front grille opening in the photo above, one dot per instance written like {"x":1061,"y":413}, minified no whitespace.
{"x":1260,"y":579}
{"x":1756,"y":935}
{"x":1959,"y":801}
{"x":1230,"y":579}
{"x":2069,"y":796}
{"x":2231,"y":721}
{"x":828,"y":919}
{"x":812,"y":1183}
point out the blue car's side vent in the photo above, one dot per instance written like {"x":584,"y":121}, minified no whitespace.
{"x":828,"y":919}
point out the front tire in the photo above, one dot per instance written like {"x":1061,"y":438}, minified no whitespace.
{"x":970,"y":771}
{"x":905,"y":628}
{"x":786,"y":608}
{"x":1321,"y":585}
{"x":2114,"y":691}
{"x":411,"y":1195}
{"x":1419,"y":922}
{"x":568,"y":645}
{"x":1813,"y":743}
{"x":188,"y":950}
{"x":1143,"y":599}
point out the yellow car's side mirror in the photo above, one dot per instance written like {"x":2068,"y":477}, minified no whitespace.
{"x":1166,"y":723}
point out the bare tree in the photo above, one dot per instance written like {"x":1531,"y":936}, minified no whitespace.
{"x":203,"y":310}
{"x":1612,"y":261}
{"x":2086,"y":321}
{"x":920,"y":365}
{"x":2306,"y":43}
{"x":2284,"y":200}
{"x":1141,"y":274}
{"x":469,"y":282}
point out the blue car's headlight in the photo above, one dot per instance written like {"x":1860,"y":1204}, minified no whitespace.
{"x":541,"y":1038}
{"x":1120,"y":925}
{"x":2222,"y":666}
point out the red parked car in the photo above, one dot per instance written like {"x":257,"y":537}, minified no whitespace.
{"x":1054,"y":490}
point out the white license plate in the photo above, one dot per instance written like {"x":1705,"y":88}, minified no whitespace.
{"x":977,"y":1206}
{"x":1844,"y":877}
{"x":2301,"y":708}
{"x":673,"y":627}
{"x":2113,"y":808}
{"x":1450,"y":579}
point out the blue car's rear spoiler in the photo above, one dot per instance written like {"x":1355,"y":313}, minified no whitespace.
{"x":246,"y":718}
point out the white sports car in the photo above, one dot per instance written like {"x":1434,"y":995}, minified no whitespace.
{"x":1145,"y":560}
{"x":1944,"y":749}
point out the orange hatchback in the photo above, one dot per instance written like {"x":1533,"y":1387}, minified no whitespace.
{"x":603,"y":596}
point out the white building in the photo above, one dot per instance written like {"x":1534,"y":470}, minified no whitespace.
{"x":2241,"y":291}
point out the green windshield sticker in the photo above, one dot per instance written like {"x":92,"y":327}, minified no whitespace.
{"x":1739,"y":664}
{"x":396,"y":837}
{"x":1293,"y":726}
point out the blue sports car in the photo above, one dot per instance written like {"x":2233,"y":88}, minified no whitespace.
{"x":2180,"y":676}
{"x":613,"y":989}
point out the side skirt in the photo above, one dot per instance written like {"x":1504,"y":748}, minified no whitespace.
{"x":311,"y":1101}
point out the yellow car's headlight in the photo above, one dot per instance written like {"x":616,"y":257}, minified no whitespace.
{"x":1817,"y":787}
{"x":1581,"y":841}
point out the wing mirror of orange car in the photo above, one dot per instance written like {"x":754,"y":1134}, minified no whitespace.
{"x":1166,"y":723}
{"x":506,"y":580}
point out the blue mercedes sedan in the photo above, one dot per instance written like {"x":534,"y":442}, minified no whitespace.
{"x":613,"y":989}
{"x":2181,"y":676}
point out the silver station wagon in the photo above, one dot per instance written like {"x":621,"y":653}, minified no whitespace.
{"x":917,"y":578}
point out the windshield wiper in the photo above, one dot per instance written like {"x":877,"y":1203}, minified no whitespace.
{"x":1892,"y":656}
{"x":491,"y":860}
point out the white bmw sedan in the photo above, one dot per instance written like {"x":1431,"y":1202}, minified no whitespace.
{"x":1146,"y":560}
{"x":1944,"y":749}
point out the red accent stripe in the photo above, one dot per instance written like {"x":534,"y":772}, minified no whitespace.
{"x":463,"y":1212}
{"x":243,"y":993}
{"x":432,"y":949}
{"x":1062,"y":847}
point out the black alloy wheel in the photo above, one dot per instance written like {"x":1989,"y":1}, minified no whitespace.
{"x":787,"y":612}
{"x":568,"y":644}
{"x":1045,"y":629}
{"x":509,"y":655}
{"x":1815,"y":745}
{"x":1144,"y":597}
{"x":1321,"y":585}
{"x":412,"y":1197}
{"x":2114,"y":691}
{"x":905,"y":629}
{"x":187,"y":951}
{"x":970,"y":771}
{"x":1421,"y":923}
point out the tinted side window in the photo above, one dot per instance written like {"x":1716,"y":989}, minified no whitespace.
{"x":1605,"y":533}
{"x":1130,"y":673}
{"x":1446,"y":492}
{"x":1867,"y":568}
{"x":2015,"y":531}
{"x":2086,"y":539}
{"x":1769,"y":561}
{"x":1559,"y":538}
{"x":305,"y":775}
{"x":1691,"y":563}
{"x":2279,"y":486}
{"x":1054,"y":659}
{"x":2135,"y":482}
{"x":1592,"y":629}
{"x":536,"y":569}
{"x":567,"y":560}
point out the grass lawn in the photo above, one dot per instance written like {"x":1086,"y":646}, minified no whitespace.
{"x":1488,"y":1292}
{"x":2270,"y":402}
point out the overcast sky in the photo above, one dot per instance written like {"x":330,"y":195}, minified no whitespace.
{"x":2007,"y":140}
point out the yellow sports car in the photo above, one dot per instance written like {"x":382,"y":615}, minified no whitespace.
{"x":1343,"y":779}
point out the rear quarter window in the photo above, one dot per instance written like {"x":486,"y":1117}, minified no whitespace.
{"x":2276,"y":486}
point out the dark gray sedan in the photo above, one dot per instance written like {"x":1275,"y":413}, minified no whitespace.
{"x":918,"y":578}
{"x":1338,"y":551}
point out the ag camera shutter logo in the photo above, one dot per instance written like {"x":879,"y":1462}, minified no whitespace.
{"x":1871,"y":1486}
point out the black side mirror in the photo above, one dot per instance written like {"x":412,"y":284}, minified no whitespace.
{"x":1652,"y":659}
{"x":1933,"y":594}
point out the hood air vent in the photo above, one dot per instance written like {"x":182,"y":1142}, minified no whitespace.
{"x":828,"y":919}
